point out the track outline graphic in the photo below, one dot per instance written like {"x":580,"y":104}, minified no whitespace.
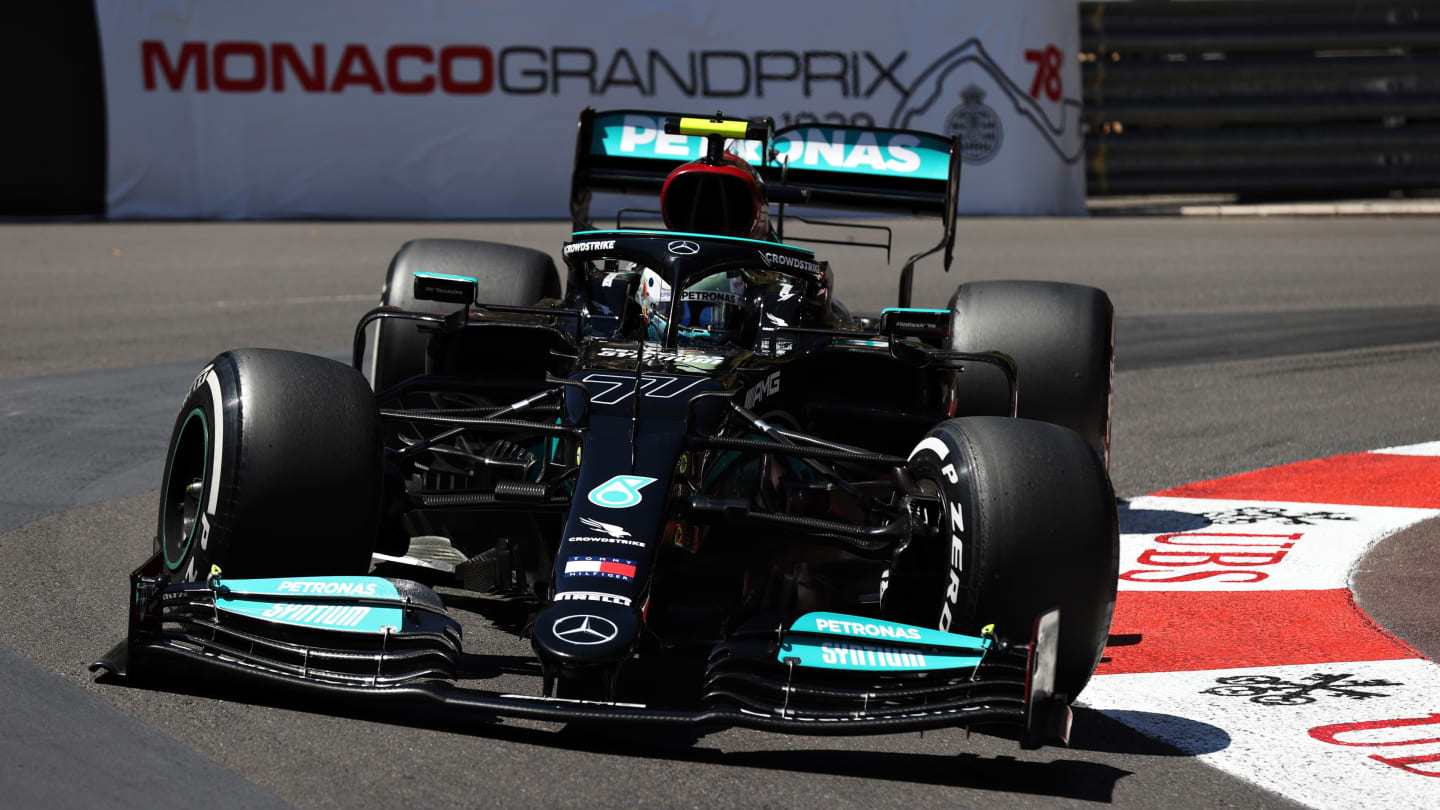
{"x":1025,"y":106}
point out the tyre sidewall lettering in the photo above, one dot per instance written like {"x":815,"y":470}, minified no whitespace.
{"x":205,"y":400}
{"x":957,"y":564}
{"x":941,"y":467}
{"x":1037,"y":528}
{"x":217,"y":457}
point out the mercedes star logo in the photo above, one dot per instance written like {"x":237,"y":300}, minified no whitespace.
{"x":585,"y":628}
{"x":684,"y":247}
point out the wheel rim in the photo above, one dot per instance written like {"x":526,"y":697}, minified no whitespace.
{"x":184,"y":490}
{"x":933,"y":488}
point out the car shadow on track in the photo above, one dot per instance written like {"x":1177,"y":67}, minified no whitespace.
{"x":1071,"y":774}
{"x":1058,"y":778}
{"x":1116,"y":733}
{"x":1157,"y":521}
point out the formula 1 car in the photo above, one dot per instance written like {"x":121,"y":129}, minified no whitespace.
{"x":692,"y":460}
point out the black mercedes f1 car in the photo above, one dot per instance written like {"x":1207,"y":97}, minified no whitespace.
{"x":691,"y":457}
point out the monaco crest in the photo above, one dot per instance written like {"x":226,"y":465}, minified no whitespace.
{"x":978,"y":126}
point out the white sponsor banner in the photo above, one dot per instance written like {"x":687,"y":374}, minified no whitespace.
{"x":1336,"y":735}
{"x":365,"y":108}
{"x":1201,"y":544}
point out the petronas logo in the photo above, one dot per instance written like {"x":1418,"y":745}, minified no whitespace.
{"x":620,"y":492}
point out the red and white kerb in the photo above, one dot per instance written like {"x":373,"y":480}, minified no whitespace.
{"x":1237,"y":639}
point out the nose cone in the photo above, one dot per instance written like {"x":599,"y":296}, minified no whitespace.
{"x":578,"y":632}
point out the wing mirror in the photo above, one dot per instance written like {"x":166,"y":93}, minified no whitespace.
{"x":921,"y":323}
{"x":446,"y":288}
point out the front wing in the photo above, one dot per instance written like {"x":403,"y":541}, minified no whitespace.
{"x":372,"y":639}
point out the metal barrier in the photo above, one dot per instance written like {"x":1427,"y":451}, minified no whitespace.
{"x":1267,"y":98}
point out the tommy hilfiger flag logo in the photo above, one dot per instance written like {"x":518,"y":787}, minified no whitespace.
{"x":600,"y":567}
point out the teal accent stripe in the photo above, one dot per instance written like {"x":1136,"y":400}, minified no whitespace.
{"x":910,"y":309}
{"x":335,"y":614}
{"x":428,"y":274}
{"x":859,"y":656}
{"x":204,"y":476}
{"x":554,"y":448}
{"x":628,"y":232}
{"x":338,"y":587}
{"x":879,"y":630}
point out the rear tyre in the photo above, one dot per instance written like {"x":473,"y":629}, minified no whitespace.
{"x":274,"y":469}
{"x":1029,"y":524}
{"x":506,"y":274}
{"x":1062,"y":339}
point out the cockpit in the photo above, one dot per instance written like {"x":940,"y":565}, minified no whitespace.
{"x":723,"y":277}
{"x":692,"y":289}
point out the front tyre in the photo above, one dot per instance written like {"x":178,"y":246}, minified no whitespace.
{"x":274,"y":469}
{"x":1029,"y":524}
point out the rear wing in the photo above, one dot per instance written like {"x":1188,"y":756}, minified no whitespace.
{"x":866,"y":168}
{"x":872,"y":168}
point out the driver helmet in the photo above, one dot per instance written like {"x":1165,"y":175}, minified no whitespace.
{"x":712,"y":310}
{"x":724,"y":197}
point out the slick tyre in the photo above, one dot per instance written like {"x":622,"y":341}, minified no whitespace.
{"x":506,"y":274}
{"x":1028,"y":524}
{"x":274,"y":469}
{"x":1062,"y":339}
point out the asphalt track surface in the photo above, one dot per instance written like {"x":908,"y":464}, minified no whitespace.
{"x":1242,"y":344}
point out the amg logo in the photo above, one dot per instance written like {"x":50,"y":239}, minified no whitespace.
{"x":767,"y":387}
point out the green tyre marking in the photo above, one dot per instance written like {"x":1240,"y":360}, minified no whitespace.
{"x":204,"y":478}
